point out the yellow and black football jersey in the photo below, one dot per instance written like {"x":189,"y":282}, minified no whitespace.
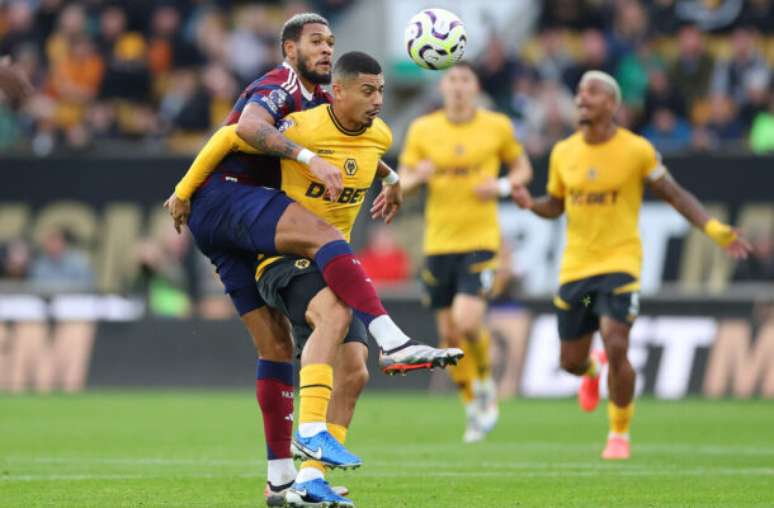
{"x":602,"y":187}
{"x":464,"y":155}
{"x":357,"y":153}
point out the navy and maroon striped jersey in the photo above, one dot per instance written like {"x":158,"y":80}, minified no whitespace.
{"x":279,"y":92}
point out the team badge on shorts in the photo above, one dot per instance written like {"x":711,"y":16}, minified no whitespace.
{"x":350,"y":166}
{"x":302,"y":264}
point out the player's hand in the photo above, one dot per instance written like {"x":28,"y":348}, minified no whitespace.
{"x":522,"y":197}
{"x":13,"y":82}
{"x":387,"y":203}
{"x":329,"y":175}
{"x":179,"y":209}
{"x":739,"y":248}
{"x":487,"y":190}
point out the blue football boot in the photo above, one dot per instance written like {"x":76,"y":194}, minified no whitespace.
{"x":316,"y":493}
{"x":325,"y":448}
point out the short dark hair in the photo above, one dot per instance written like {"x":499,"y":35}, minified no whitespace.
{"x":356,"y":62}
{"x":467,"y":64}
{"x":291,"y":30}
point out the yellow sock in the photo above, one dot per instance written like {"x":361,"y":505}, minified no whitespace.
{"x":313,"y":464}
{"x":620,"y":417}
{"x":338,"y":431}
{"x":480,"y":354}
{"x":464,"y":373}
{"x":315,"y":387}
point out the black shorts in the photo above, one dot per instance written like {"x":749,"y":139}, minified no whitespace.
{"x":288,"y":285}
{"x":580,"y":303}
{"x":445,"y":275}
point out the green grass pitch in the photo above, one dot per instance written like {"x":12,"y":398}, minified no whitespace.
{"x":197,"y":449}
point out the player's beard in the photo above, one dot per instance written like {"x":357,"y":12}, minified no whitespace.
{"x":310,"y":75}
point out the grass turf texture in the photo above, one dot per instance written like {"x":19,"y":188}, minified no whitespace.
{"x":205,"y":449}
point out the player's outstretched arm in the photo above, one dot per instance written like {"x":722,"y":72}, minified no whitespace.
{"x":548,"y":206}
{"x":413,"y":177}
{"x":389,"y":200}
{"x":689,"y":207}
{"x":256,"y":127}
{"x":217,"y":147}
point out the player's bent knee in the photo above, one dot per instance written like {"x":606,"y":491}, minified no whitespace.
{"x":573,"y":365}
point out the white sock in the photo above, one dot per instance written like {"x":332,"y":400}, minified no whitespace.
{"x":281,"y":471}
{"x":308,"y":474}
{"x":387,"y":333}
{"x":614,"y":435}
{"x":312,"y":428}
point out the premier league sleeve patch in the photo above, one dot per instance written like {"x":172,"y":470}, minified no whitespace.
{"x":276,"y":102}
{"x":285,"y":124}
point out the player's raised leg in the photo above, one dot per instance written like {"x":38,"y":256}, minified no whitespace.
{"x":620,"y":381}
{"x":300,"y":232}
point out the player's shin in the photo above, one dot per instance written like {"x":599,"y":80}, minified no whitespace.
{"x":346,"y":277}
{"x":315,"y":387}
{"x":274,"y":392}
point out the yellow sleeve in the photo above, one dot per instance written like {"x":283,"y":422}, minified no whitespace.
{"x":652,"y":166}
{"x":224,"y":141}
{"x":555,"y":186}
{"x":412,"y":152}
{"x":510,"y":149}
{"x":387,"y":141}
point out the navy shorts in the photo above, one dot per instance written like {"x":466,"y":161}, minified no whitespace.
{"x":580,"y":303}
{"x":232,"y":223}
{"x":446,"y":275}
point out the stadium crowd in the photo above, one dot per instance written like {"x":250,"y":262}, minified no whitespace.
{"x":695,"y":75}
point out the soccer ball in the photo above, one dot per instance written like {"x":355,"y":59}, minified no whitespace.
{"x":435,"y":39}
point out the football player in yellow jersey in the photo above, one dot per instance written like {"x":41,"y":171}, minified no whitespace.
{"x":597,"y":177}
{"x":349,"y":135}
{"x":457,"y":152}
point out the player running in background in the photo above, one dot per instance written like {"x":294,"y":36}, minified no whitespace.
{"x":232,"y":218}
{"x":597,"y":177}
{"x":457,"y":153}
{"x":350,"y":135}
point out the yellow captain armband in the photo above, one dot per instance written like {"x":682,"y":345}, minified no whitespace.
{"x":722,"y":234}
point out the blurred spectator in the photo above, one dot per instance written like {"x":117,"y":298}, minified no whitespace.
{"x":545,"y":113}
{"x":630,"y":27}
{"x":168,"y":273}
{"x":71,"y":26}
{"x":632,"y":74}
{"x":709,"y":16}
{"x":15,"y":261}
{"x":759,"y":267}
{"x":668,"y":132}
{"x":60,"y":266}
{"x":249,"y":45}
{"x":594,"y":55}
{"x":731,"y":75}
{"x":496,"y":70}
{"x":554,"y":59}
{"x":383,"y":259}
{"x":762,"y":132}
{"x":660,"y":95}
{"x":576,"y":14}
{"x":691,"y":71}
{"x":112,"y":25}
{"x":724,"y":128}
{"x":760,"y":14}
{"x":167,"y":48}
{"x":20,"y":29}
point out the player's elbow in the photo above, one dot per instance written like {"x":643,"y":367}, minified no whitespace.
{"x":247,"y":126}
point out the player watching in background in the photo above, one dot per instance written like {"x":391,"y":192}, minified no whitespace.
{"x":597,"y":177}
{"x":233,"y":217}
{"x":457,"y":153}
